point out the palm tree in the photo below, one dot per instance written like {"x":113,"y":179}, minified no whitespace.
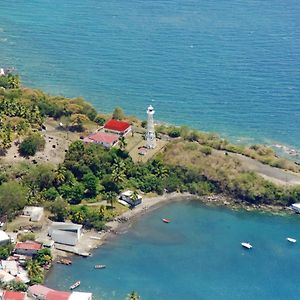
{"x":135,"y":196}
{"x":123,"y":143}
{"x":111,"y":198}
{"x":133,"y":296}
{"x":159,"y":169}
{"x":60,"y":176}
{"x":118,"y":171}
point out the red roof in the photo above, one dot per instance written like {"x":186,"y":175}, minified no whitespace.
{"x":28,"y":246}
{"x":116,"y":125}
{"x":10,"y":295}
{"x":56,"y":295}
{"x":103,"y":137}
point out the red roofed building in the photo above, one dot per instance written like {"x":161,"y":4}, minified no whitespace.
{"x":10,"y":295}
{"x":56,"y":295}
{"x":117,"y":127}
{"x":106,"y":139}
{"x":27,"y":248}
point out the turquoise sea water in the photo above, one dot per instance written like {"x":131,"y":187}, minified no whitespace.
{"x":227,"y":66}
{"x":196,"y":256}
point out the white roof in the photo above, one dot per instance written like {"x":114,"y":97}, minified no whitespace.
{"x":4,"y":236}
{"x":296,"y":205}
{"x":10,"y":266}
{"x":123,"y":203}
{"x":80,"y":296}
{"x":127,"y":193}
{"x":6,"y":277}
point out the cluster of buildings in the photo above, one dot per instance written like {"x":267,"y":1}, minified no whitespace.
{"x":12,"y":269}
{"x":110,"y":134}
{"x":41,"y":292}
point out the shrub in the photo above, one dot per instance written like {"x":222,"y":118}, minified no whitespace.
{"x":26,"y":237}
{"x":206,"y":150}
{"x":32,"y":144}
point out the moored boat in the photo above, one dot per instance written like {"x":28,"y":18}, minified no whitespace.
{"x":100,"y":266}
{"x":75,"y":285}
{"x":291,"y":240}
{"x":166,"y":220}
{"x":246,"y":245}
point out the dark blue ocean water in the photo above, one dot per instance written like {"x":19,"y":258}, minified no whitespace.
{"x":227,"y":66}
{"x":196,"y":256}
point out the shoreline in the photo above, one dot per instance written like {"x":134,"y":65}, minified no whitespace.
{"x":92,"y":240}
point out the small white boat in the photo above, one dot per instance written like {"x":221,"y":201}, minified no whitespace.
{"x":75,"y":285}
{"x":291,"y":240}
{"x":246,"y":245}
{"x":100,"y":266}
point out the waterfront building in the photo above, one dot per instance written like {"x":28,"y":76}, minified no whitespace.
{"x":41,"y":292}
{"x":103,"y":138}
{"x":27,"y":248}
{"x":296,"y":207}
{"x":11,"y":295}
{"x":38,"y":291}
{"x":58,"y":295}
{"x":128,"y":197}
{"x":65,"y":233}
{"x":150,"y":135}
{"x":120,"y":128}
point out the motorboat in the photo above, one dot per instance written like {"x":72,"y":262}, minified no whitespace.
{"x":75,"y":285}
{"x":291,"y":240}
{"x":246,"y":245}
{"x":100,"y":266}
{"x":166,"y":220}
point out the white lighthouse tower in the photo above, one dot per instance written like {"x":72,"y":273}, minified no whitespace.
{"x":150,"y":135}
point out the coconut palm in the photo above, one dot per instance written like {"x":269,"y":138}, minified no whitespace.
{"x":118,"y":171}
{"x":123,"y":143}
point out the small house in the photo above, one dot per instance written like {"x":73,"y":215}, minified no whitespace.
{"x":120,"y":128}
{"x":11,"y":295}
{"x":131,"y":198}
{"x":103,"y":138}
{"x":35,"y":213}
{"x":296,"y":207}
{"x":38,"y":291}
{"x":27,"y":248}
{"x":57,"y":295}
{"x":10,"y":266}
{"x":6,"y":277}
{"x":4,"y":238}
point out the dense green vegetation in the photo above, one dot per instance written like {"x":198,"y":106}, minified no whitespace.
{"x":91,"y":173}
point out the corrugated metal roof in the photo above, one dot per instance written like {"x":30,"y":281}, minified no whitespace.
{"x":64,"y":237}
{"x":116,"y":125}
{"x":28,"y":246}
{"x":56,"y":295}
{"x":10,"y":295}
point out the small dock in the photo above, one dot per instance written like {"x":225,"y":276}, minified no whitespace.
{"x":71,"y":249}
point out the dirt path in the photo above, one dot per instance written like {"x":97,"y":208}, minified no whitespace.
{"x":275,"y":175}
